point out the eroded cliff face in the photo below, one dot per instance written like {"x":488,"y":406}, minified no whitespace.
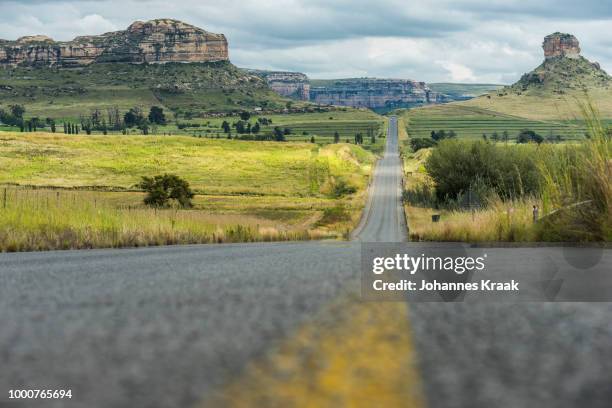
{"x":290,"y":84}
{"x":561,"y":45}
{"x":374,"y":93}
{"x":155,"y":41}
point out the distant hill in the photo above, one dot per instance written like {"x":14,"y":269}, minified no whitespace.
{"x":463,"y":91}
{"x":551,"y":90}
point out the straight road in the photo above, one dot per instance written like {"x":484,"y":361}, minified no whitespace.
{"x":168,"y":326}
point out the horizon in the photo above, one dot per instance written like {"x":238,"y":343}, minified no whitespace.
{"x":473,"y":42}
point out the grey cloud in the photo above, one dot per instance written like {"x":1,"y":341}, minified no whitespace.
{"x":494,"y":40}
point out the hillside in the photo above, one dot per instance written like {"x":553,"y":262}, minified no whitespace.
{"x":188,"y":89}
{"x":457,"y":91}
{"x":551,"y":91}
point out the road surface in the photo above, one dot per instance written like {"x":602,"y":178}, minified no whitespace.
{"x":170,"y":326}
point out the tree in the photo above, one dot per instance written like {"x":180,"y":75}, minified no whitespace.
{"x":505,"y":136}
{"x":133,"y":117}
{"x":244,"y":115}
{"x":162,"y":189}
{"x":255,"y":128}
{"x":225,"y":126}
{"x":240,"y":127}
{"x":279,"y":136}
{"x":336,"y":137}
{"x":526,"y":136}
{"x":312,"y":139}
{"x":156,"y":115}
{"x":17,"y":111}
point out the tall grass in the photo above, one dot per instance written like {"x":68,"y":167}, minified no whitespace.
{"x":32,"y":220}
{"x":500,"y":221}
{"x":577,"y":187}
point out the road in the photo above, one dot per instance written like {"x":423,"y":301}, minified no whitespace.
{"x":170,"y":326}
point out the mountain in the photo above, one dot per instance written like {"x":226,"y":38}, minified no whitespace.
{"x":563,"y":69}
{"x":380,"y":94}
{"x":290,"y":84}
{"x":375,"y":93}
{"x":161,"y":62}
{"x":551,"y":91}
{"x":155,"y":41}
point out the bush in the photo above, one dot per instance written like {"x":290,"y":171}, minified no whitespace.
{"x":164,"y":188}
{"x":456,"y":166}
{"x":527,"y":136}
{"x":421,"y":143}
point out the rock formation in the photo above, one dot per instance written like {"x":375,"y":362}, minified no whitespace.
{"x":374,"y":93}
{"x":155,"y":41}
{"x":561,"y":45}
{"x":290,"y":84}
{"x":371,"y":93}
{"x":563,"y":69}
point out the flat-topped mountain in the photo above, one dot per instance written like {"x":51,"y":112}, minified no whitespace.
{"x":563,"y":69}
{"x":551,"y":91}
{"x":155,"y":41}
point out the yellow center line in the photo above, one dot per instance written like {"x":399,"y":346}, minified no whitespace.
{"x":358,"y":354}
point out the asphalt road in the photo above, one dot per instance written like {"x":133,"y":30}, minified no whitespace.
{"x":167,"y":326}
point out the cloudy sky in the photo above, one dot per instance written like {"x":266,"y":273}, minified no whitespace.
{"x":431,"y":40}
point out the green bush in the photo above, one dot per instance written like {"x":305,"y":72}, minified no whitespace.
{"x":508,"y":171}
{"x":421,"y":143}
{"x":163,"y":189}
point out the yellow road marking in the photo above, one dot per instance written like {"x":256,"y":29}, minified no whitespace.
{"x":359,"y":354}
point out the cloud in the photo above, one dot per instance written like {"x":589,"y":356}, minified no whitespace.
{"x":436,"y":40}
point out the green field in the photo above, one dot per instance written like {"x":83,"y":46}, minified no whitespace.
{"x":473,"y":122}
{"x":76,"y":191}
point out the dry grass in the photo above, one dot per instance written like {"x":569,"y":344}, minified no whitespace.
{"x":46,"y":220}
{"x":507,"y":222}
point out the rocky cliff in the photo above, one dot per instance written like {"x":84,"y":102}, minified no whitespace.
{"x":290,"y":84}
{"x":563,"y":69}
{"x":155,"y":41}
{"x":561,"y":45}
{"x":374,"y":93}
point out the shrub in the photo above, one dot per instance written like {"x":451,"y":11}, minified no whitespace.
{"x":456,"y":166}
{"x":421,"y":143}
{"x":162,"y":189}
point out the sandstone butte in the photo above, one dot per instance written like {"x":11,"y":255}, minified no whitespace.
{"x":155,"y":41}
{"x":561,"y":45}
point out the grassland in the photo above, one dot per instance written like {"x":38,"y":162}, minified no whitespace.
{"x":545,"y":106}
{"x":78,"y":191}
{"x":473,"y":122}
{"x":346,"y":121}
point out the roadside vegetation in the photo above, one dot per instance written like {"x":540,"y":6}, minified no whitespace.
{"x":80,"y":191}
{"x":487,"y":191}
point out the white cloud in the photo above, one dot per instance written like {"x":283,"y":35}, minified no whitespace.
{"x":458,"y":72}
